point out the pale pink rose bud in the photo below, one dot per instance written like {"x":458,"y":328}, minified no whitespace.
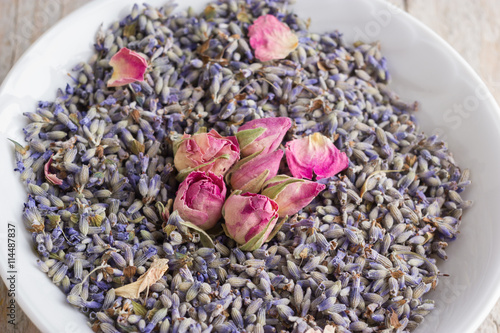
{"x":271,"y":39}
{"x":205,"y":152}
{"x":128,"y":66}
{"x":200,"y":198}
{"x":314,"y":153}
{"x":249,"y":219}
{"x":250,"y":173}
{"x":291,"y":194}
{"x":262,"y":135}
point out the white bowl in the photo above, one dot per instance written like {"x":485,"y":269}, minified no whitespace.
{"x":454,"y":103}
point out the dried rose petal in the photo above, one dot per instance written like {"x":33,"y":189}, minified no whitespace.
{"x":314,"y":153}
{"x":128,"y":66}
{"x":51,"y":178}
{"x":271,"y":39}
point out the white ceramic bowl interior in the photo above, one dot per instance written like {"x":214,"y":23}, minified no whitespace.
{"x":454,"y":103}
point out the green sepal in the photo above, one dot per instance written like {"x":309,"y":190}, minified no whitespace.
{"x":248,"y":136}
{"x":177,"y":143}
{"x":139,"y":309}
{"x":238,"y":164}
{"x":256,"y":241}
{"x":225,"y":230}
{"x":184,"y":173}
{"x":277,"y":179}
{"x":255,"y":185}
{"x":277,"y":228}
{"x":273,"y":191}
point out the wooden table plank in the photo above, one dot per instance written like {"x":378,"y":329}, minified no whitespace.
{"x":8,"y":19}
{"x":469,"y":26}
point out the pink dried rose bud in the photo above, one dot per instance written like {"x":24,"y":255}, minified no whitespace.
{"x":250,"y":173}
{"x":205,"y":152}
{"x":249,"y":219}
{"x":262,"y":135}
{"x":51,"y":178}
{"x":200,"y":198}
{"x":314,"y":153}
{"x":128,"y":66}
{"x":271,"y":39}
{"x":291,"y":194}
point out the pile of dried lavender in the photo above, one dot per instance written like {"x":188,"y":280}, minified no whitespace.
{"x":359,"y":258}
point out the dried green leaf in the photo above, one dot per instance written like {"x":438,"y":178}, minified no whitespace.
{"x":205,"y":239}
{"x":19,"y":148}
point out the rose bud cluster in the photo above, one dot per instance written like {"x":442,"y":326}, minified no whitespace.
{"x":248,"y":164}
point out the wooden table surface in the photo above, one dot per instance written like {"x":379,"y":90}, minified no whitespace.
{"x":469,"y":26}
